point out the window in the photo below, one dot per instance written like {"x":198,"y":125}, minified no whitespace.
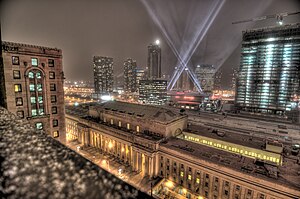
{"x":51,"y":75}
{"x":38,"y":75}
{"x":198,"y":180}
{"x":137,"y":128}
{"x":17,"y":74}
{"x":226,"y":192}
{"x":41,"y":111}
{"x":261,"y":196}
{"x":120,"y":124}
{"x":30,"y":75}
{"x":54,"y":109}
{"x":111,"y":121}
{"x":55,"y":123}
{"x":128,"y":126}
{"x":53,"y":98}
{"x":34,"y":61}
{"x":39,"y":125}
{"x":18,"y":88}
{"x":39,"y":87}
{"x":20,"y":114}
{"x":33,"y":100}
{"x":55,"y":134}
{"x":52,"y":87}
{"x":33,"y":112}
{"x":19,"y":101}
{"x":31,"y":87}
{"x":189,"y":177}
{"x":181,"y":173}
{"x":51,"y":62}
{"x":15,"y":60}
{"x":40,"y":99}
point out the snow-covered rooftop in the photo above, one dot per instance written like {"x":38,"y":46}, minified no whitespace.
{"x":33,"y":165}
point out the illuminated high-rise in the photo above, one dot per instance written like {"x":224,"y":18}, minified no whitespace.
{"x":206,"y":76}
{"x":103,"y":74}
{"x":130,"y":76}
{"x":269,"y":71}
{"x":154,"y":61}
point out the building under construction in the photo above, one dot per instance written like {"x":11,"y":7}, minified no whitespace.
{"x":269,"y":71}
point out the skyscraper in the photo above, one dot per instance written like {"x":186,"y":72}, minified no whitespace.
{"x":140,"y":75}
{"x":34,"y":86}
{"x":153,"y":91}
{"x":154,"y":61}
{"x":130,"y":76}
{"x":205,"y":74}
{"x":269,"y":71}
{"x":217,"y":80}
{"x":103,"y":74}
{"x":234,"y":79}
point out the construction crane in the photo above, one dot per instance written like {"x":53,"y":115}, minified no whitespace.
{"x":278,"y":17}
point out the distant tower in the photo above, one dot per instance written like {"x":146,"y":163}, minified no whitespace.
{"x":205,"y":74}
{"x":217,"y":80}
{"x":154,"y":61}
{"x":103,"y":74}
{"x":234,"y":79}
{"x":269,"y":70}
{"x":130,"y":76}
{"x":140,"y":75}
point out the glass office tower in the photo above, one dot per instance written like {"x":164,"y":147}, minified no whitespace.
{"x":268,"y":80}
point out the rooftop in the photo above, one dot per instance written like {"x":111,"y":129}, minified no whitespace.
{"x":156,"y":113}
{"x":13,"y":44}
{"x":33,"y":165}
{"x":288,"y":173}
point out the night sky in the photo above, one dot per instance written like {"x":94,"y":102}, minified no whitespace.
{"x":122,"y":29}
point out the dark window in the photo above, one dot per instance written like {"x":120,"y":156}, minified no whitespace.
{"x":54,"y":109}
{"x":206,"y":194}
{"x":34,"y":62}
{"x":190,"y":169}
{"x":55,"y":123}
{"x":53,"y":98}
{"x":168,"y":167}
{"x":52,"y":87}
{"x":206,"y":184}
{"x":226,"y":192}
{"x":55,"y":134}
{"x":18,"y":88}
{"x":51,"y":75}
{"x":216,"y":180}
{"x":51,"y":62}
{"x":19,"y":101}
{"x":15,"y":60}
{"x":226,"y":183}
{"x":237,"y":187}
{"x":161,"y":164}
{"x":181,"y":166}
{"x":39,"y":125}
{"x":25,"y":63}
{"x":17,"y":74}
{"x":20,"y":114}
{"x":206,"y":175}
{"x":168,"y":161}
{"x":249,"y":192}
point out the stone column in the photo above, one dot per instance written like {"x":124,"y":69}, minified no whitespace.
{"x":146,"y":165}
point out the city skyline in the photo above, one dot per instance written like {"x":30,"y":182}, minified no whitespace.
{"x":83,"y":37}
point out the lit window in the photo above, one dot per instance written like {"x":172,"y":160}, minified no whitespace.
{"x":41,"y":111}
{"x":16,"y":74}
{"x":181,"y":173}
{"x":40,"y":99}
{"x":15,"y":60}
{"x":198,"y":180}
{"x":39,"y":87}
{"x":189,"y":177}
{"x":51,"y":62}
{"x":33,"y":112}
{"x":55,"y":134}
{"x":128,"y":126}
{"x":137,"y":128}
{"x":33,"y":100}
{"x":55,"y":123}
{"x":38,"y":75}
{"x":34,"y":61}
{"x":54,"y":109}
{"x":19,"y":101}
{"x":31,"y":87}
{"x":120,"y":124}
{"x":53,"y":98}
{"x":111,"y":121}
{"x":51,"y":75}
{"x":39,"y":126}
{"x":31,"y":75}
{"x":18,"y":88}
{"x":20,"y":114}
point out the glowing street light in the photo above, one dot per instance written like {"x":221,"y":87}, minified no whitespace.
{"x":157,"y":42}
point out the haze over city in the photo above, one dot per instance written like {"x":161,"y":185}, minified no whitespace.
{"x":122,"y":29}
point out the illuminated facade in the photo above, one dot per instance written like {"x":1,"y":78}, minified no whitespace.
{"x":103,"y":74}
{"x":34,"y":86}
{"x":154,"y":141}
{"x":130,"y":76}
{"x":205,"y":74}
{"x":153,"y":91}
{"x":269,"y":71}
{"x":154,"y":61}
